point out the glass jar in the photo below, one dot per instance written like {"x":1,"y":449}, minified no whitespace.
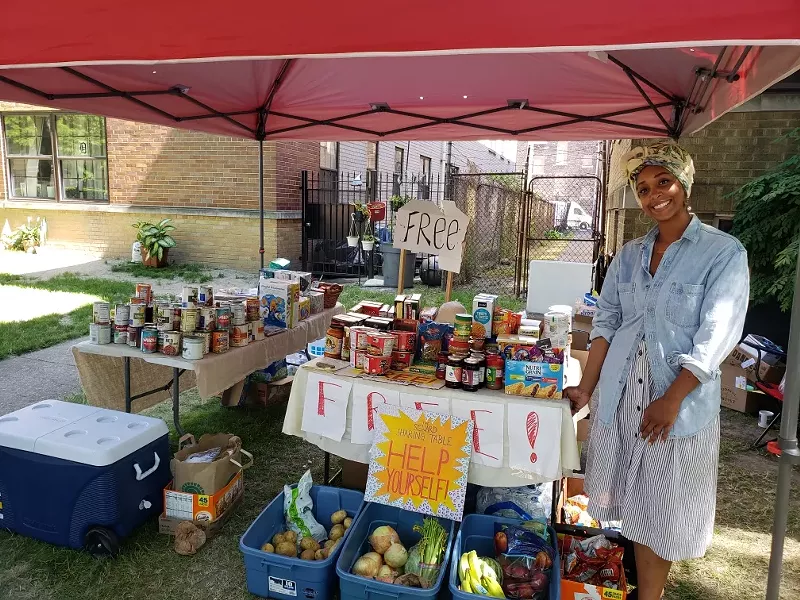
{"x":470,"y":374}
{"x":481,"y":367}
{"x":441,"y":365}
{"x":494,"y":371}
{"x":334,"y":340}
{"x":453,"y":372}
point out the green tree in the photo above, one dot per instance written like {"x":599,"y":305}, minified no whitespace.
{"x":767,"y":222}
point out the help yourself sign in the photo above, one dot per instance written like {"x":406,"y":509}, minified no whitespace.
{"x":423,"y":227}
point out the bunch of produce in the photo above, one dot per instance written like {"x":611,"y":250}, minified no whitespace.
{"x":596,"y":561}
{"x":526,"y":559}
{"x":480,"y":575}
{"x":288,"y":543}
{"x":391,"y":562}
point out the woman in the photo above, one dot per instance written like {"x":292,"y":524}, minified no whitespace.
{"x":672,"y":307}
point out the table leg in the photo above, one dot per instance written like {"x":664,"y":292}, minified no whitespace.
{"x":327,"y":471}
{"x":554,"y":516}
{"x":126,"y":370}
{"x":176,"y":414}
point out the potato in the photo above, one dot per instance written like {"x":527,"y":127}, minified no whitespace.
{"x":307,"y":555}
{"x":338,"y":516}
{"x":329,"y":543}
{"x":286,"y":549}
{"x":277,"y":539}
{"x":332,"y":549}
{"x":290,"y":536}
{"x":320,"y":555}
{"x":308,"y":543}
{"x":337,"y":531}
{"x":347,"y":522}
{"x":267,"y":547}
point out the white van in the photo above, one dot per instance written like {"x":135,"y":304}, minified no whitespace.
{"x":570,"y":215}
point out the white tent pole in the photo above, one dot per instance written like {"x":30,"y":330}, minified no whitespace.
{"x":790,"y":455}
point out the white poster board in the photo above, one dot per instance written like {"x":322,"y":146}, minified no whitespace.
{"x":423,"y":227}
{"x":533,"y":433}
{"x":325,"y":406}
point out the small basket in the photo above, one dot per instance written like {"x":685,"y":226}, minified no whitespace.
{"x":331,"y":291}
{"x":377,"y":211}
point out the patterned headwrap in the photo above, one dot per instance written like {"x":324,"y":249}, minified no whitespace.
{"x":668,"y":155}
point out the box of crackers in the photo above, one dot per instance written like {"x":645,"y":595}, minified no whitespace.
{"x":534,"y":379}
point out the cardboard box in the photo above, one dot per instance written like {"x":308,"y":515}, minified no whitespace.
{"x":304,"y":308}
{"x":580,"y":340}
{"x":167,"y":525}
{"x":483,"y":315}
{"x":185,"y":506}
{"x":316,"y":300}
{"x":771,"y":368}
{"x":280,"y":302}
{"x":269,"y":394}
{"x":534,"y":379}
{"x":399,"y":300}
{"x":735,"y":395}
{"x":582,"y":322}
{"x":303,"y":278}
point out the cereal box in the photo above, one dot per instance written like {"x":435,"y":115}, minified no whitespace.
{"x":317,"y":300}
{"x":534,"y":379}
{"x":280,"y":302}
{"x":300,"y":276}
{"x":304,"y":308}
{"x":482,"y":315}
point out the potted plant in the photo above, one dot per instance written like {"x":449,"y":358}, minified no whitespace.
{"x":360,"y":212}
{"x":368,"y":242}
{"x":156,"y":241}
{"x":352,"y":234}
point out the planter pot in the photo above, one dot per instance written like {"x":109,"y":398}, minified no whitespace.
{"x":377,"y":211}
{"x":391,"y":266}
{"x":153,"y":261}
{"x":367,"y":245}
{"x":352,"y":241}
{"x":359,"y":217}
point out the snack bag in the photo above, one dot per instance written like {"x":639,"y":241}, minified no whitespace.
{"x":595,"y":561}
{"x":298,"y":510}
{"x":526,"y":559}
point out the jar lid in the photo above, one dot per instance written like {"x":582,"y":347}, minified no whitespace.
{"x":472,"y":361}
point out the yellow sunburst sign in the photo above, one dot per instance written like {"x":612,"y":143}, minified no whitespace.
{"x":419,"y":461}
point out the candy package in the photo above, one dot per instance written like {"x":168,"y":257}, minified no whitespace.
{"x":526,"y":559}
{"x":595,"y":560}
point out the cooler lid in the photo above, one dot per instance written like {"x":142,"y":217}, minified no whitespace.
{"x":20,"y":429}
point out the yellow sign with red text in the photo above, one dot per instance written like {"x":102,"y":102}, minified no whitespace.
{"x":419,"y":461}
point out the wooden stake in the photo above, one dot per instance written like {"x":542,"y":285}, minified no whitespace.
{"x":401,"y":273}
{"x":449,"y":289}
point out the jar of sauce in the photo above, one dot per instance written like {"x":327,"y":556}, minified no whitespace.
{"x":453,"y":372}
{"x":334,"y":340}
{"x":470,"y":374}
{"x":441,"y":365}
{"x":494,"y":371}
{"x":481,"y":367}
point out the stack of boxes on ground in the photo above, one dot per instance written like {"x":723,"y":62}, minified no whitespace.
{"x":739,"y":376}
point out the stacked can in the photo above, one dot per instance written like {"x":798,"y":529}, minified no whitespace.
{"x":557,"y":327}
{"x":220,"y":340}
{"x":122,"y":314}
{"x":100,"y":327}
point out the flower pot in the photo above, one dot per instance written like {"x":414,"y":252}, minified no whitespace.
{"x":368,"y":245}
{"x":154,"y":261}
{"x":352,"y":241}
{"x":377,"y":211}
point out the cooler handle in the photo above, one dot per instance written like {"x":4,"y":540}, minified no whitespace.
{"x":140,"y":475}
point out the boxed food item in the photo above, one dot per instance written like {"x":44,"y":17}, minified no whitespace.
{"x":483,"y":315}
{"x":302,"y":277}
{"x":379,"y":323}
{"x":411,"y":306}
{"x":386,"y":312}
{"x":304,"y":308}
{"x":360,"y":317}
{"x":276,"y":264}
{"x":280,"y":302}
{"x":399,"y":311}
{"x":771,"y":368}
{"x":316,"y":300}
{"x":206,"y":508}
{"x":368,"y":307}
{"x":505,"y":322}
{"x":592,"y":566}
{"x":520,"y":347}
{"x":534,"y":379}
{"x":428,"y":314}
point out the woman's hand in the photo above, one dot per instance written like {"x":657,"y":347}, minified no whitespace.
{"x":578,"y":398}
{"x":658,"y":419}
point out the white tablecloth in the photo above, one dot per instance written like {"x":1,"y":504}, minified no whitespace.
{"x":100,"y":366}
{"x":478,"y":474}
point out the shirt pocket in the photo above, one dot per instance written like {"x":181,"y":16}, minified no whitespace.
{"x":626,"y":292}
{"x":684,"y":303}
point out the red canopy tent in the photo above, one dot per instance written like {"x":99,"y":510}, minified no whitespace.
{"x":419,"y":70}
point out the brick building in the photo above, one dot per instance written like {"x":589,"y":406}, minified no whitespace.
{"x":91,"y":178}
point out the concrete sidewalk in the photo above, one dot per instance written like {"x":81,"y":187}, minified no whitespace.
{"x":48,"y":374}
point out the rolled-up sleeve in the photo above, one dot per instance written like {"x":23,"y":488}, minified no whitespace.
{"x":721,"y":316}
{"x":608,"y":317}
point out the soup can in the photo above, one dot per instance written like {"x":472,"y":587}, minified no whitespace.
{"x":137,"y":313}
{"x":99,"y":333}
{"x":101,"y":313}
{"x":134,"y":334}
{"x":380,"y":344}
{"x":219,"y":341}
{"x":188,"y":320}
{"x":176,"y":316}
{"x":252,"y":308}
{"x":206,"y":335}
{"x":401,"y":360}
{"x":193,"y":347}
{"x":463,"y":327}
{"x":144,"y":291}
{"x":258,"y":330}
{"x":165,"y":317}
{"x":120,"y":334}
{"x":170,"y":342}
{"x":189,"y":296}
{"x":122,"y":314}
{"x":149,"y":337}
{"x":207,"y":316}
{"x":238,"y":313}
{"x":376,"y":365}
{"x":240,"y":335}
{"x":357,"y":358}
{"x":358,"y":337}
{"x":205,"y":295}
{"x":406,"y":341}
{"x":223,"y":316}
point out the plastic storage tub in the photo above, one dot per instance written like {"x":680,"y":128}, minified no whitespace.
{"x":477,"y":533}
{"x":316,"y":348}
{"x":275,"y":576}
{"x":80,"y":476}
{"x":373,"y":516}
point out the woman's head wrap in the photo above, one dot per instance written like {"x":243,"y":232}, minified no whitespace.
{"x":668,"y":155}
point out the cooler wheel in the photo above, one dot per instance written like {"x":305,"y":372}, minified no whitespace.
{"x":101,"y":542}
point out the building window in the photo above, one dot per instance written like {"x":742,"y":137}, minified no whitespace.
{"x":329,"y":156}
{"x":536,"y":164}
{"x":78,"y":156}
{"x":399,"y":156}
{"x":372,"y":156}
{"x":723,"y":223}
{"x":562,"y":149}
{"x":587,"y":163}
{"x":426,"y":169}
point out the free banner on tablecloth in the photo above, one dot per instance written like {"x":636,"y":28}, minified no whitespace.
{"x":366,"y":399}
{"x":325,"y":409}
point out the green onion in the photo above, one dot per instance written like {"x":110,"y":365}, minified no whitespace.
{"x":434,"y":539}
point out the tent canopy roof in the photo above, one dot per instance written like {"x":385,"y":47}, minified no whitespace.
{"x":304,"y":70}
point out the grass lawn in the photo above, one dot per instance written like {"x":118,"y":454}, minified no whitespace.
{"x":19,"y":337}
{"x":189,"y":272}
{"x":431,"y":296}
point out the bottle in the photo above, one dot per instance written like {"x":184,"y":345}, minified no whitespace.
{"x":453,"y":372}
{"x":334,"y":339}
{"x":470,"y":374}
{"x":494,"y":371}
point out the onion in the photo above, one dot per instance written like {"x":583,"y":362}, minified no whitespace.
{"x":396,"y":556}
{"x":387,"y":574}
{"x":376,"y":557}
{"x":382,"y":538}
{"x":366,"y":566}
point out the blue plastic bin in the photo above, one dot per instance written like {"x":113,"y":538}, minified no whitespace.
{"x":477,"y":533}
{"x":373,"y":516}
{"x":275,"y":576}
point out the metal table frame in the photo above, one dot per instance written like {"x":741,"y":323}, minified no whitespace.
{"x":173,"y":383}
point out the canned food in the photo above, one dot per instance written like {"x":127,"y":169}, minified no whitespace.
{"x":240,"y":335}
{"x":458,"y":348}
{"x":188,"y":320}
{"x":205,"y":295}
{"x":137,"y":313}
{"x":223,"y":316}
{"x":463,"y":327}
{"x":101,"y":313}
{"x":100,"y":333}
{"x":207,"y":317}
{"x":122,"y":314}
{"x":251,"y":307}
{"x":251,"y":330}
{"x":359,"y":357}
{"x":380,"y":344}
{"x":170,"y":342}
{"x":258,"y":329}
{"x":134,"y":334}
{"x":144,"y":291}
{"x":376,"y":365}
{"x":206,"y":335}
{"x":401,"y":360}
{"x":358,"y":337}
{"x":238,"y":313}
{"x":120,"y":334}
{"x":165,"y":317}
{"x":149,"y":314}
{"x":149,"y":339}
{"x":189,"y":296}
{"x":176,"y":316}
{"x":192,"y":347}
{"x":406,"y":341}
{"x":219,"y":341}
{"x":441,"y":365}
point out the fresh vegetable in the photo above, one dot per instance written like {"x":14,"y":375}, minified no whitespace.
{"x":376,"y":557}
{"x":329,"y":543}
{"x":290,"y":536}
{"x":387,"y":574}
{"x":396,"y":556}
{"x":433,"y":542}
{"x":382,"y":538}
{"x":367,"y":566}
{"x":337,"y":531}
{"x":277,"y":539}
{"x":308,"y":543}
{"x":267,"y":547}
{"x":307,"y":554}
{"x":286,"y":549}
{"x":338,"y":517}
{"x":408,"y":580}
{"x":347,"y":522}
{"x":320,"y":555}
{"x":414,"y":557}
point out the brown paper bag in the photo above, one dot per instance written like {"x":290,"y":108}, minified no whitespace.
{"x":208,"y":477}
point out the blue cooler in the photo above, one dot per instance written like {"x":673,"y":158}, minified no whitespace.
{"x":80,"y":476}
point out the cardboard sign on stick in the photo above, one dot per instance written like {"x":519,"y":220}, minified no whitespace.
{"x":325,"y":406}
{"x":366,"y":400}
{"x":534,"y":439}
{"x":419,"y":461}
{"x":489,"y":429}
{"x":424,"y":227}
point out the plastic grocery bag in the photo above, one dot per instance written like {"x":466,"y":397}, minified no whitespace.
{"x":298,"y":510}
{"x":528,"y":502}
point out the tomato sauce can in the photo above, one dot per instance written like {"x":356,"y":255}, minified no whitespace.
{"x":144,"y":291}
{"x":170,"y":342}
{"x":240,"y":336}
{"x":149,"y":337}
{"x":219,"y":341}
{"x":192,"y":347}
{"x":223,"y":316}
{"x":120,"y":334}
{"x":101,"y":313}
{"x":380,"y":344}
{"x":401,"y":360}
{"x":376,"y":365}
{"x":205,"y":295}
{"x":406,"y":341}
{"x":134,"y":335}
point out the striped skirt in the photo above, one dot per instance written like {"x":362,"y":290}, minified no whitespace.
{"x":664,"y":494}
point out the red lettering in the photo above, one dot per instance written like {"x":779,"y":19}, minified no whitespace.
{"x":390,"y":454}
{"x":322,"y":398}
{"x":411,"y":456}
{"x":423,"y":465}
{"x":418,"y":405}
{"x":476,"y":439}
{"x":371,"y":409}
{"x":444,"y":457}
